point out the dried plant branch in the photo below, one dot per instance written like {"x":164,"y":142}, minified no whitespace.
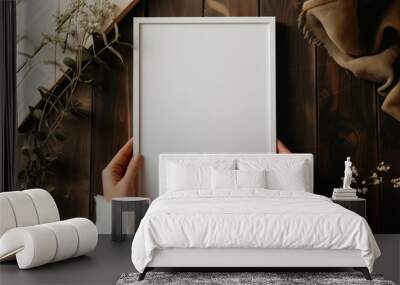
{"x":378,"y":176}
{"x":81,"y":22}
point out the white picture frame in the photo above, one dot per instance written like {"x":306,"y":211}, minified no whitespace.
{"x":202,"y":85}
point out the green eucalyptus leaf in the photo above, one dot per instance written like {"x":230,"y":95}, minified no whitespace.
{"x":116,"y":36}
{"x":88,"y":82}
{"x":125,"y":44}
{"x":116,"y":53}
{"x":51,"y":158}
{"x":70,"y":62}
{"x":104,"y":38}
{"x":37,"y":114}
{"x":85,"y":76}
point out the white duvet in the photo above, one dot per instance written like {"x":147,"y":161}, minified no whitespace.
{"x":251,"y":218}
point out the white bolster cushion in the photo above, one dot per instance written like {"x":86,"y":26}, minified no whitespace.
{"x":24,"y":211}
{"x":46,"y":208}
{"x":7,"y":219}
{"x":66,"y":238}
{"x":87,"y":235}
{"x":32,"y":246}
{"x":40,"y":244}
{"x":26,"y":208}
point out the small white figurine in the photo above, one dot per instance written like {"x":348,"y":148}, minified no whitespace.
{"x":347,"y":174}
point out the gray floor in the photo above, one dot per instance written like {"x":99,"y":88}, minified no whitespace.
{"x":103,"y":266}
{"x":110,"y":260}
{"x":389,"y":263}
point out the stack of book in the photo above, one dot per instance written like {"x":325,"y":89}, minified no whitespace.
{"x":344,"y":194}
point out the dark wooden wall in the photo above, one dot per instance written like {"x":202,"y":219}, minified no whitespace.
{"x":321,"y":109}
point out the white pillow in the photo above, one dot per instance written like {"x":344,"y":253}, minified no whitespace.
{"x":282,"y":174}
{"x":251,"y":178}
{"x":223,"y":179}
{"x":183,"y":177}
{"x":193,"y":174}
{"x":237,"y":179}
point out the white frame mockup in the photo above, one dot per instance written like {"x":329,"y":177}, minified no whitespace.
{"x":250,"y":46}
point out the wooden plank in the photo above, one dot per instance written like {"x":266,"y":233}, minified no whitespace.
{"x":389,"y":152}
{"x":231,"y":8}
{"x":174,"y":8}
{"x":295,"y":69}
{"x":72,"y":169}
{"x":346,"y":127}
{"x":112,"y":110}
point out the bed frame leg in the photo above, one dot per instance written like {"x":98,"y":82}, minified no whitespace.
{"x":364,"y":271}
{"x":143,"y":274}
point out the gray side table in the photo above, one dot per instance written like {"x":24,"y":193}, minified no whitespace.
{"x":357,"y":205}
{"x":139,"y":205}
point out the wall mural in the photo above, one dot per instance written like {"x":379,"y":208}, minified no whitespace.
{"x":321,"y":109}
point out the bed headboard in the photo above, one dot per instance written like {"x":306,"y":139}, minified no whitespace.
{"x":164,"y":158}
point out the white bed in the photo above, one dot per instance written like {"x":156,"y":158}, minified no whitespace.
{"x":249,"y":227}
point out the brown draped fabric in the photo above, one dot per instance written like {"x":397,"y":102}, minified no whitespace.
{"x":362,"y":36}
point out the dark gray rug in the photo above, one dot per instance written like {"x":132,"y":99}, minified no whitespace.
{"x":269,"y":278}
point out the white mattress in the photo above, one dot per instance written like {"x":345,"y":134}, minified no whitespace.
{"x":251,"y":219}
